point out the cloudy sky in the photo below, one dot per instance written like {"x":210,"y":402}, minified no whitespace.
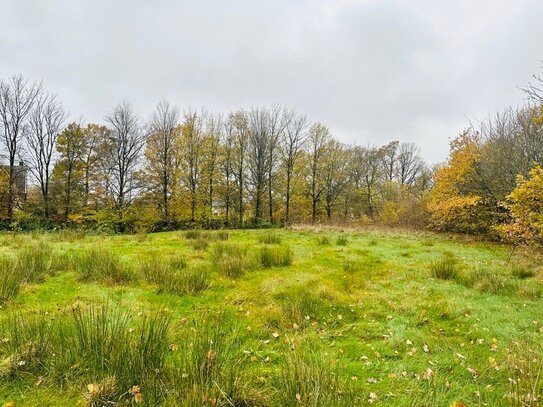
{"x":372,"y":70}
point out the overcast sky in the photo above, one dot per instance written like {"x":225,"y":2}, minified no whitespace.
{"x":372,"y":70}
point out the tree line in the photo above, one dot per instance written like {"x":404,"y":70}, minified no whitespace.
{"x":260,"y":166}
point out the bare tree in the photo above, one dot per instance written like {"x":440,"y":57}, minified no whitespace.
{"x":161,"y":153}
{"x":95,"y":140}
{"x":318,"y":136}
{"x":124,"y":145}
{"x":276,"y":125}
{"x":390,"y":158}
{"x":17,"y":97}
{"x":227,"y":165}
{"x":409,"y":163}
{"x":293,"y":140}
{"x":240,"y":125}
{"x":45,"y":122}
{"x":192,"y":143}
{"x":212,"y":141}
{"x":335,"y":174}
{"x":259,"y":143}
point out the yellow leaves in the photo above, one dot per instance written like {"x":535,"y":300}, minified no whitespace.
{"x":136,"y":394}
{"x":526,"y":205}
{"x":10,"y":403}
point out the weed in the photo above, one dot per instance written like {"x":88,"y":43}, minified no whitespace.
{"x":199,"y":243}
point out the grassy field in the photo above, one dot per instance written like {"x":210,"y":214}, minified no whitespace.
{"x":268,"y":318}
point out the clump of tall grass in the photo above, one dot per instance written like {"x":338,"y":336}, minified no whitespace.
{"x":199,"y":243}
{"x":100,"y":264}
{"x":209,"y":366}
{"x":307,"y":379}
{"x":193,"y":234}
{"x":323,"y":240}
{"x":156,"y":269}
{"x":445,"y":267}
{"x":185,"y":281}
{"x":269,"y":238}
{"x":11,"y":278}
{"x":222,"y":235}
{"x":489,"y":279}
{"x":342,"y":240}
{"x":35,"y":260}
{"x":275,"y":256}
{"x":230,"y":259}
{"x":522,"y":270}
{"x":301,"y":301}
{"x":92,"y":344}
{"x":69,"y":235}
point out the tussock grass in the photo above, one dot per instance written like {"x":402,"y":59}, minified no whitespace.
{"x":269,"y":238}
{"x":222,"y":235}
{"x":156,"y":269}
{"x":193,"y":234}
{"x":11,"y":278}
{"x":307,"y":379}
{"x":445,"y":267}
{"x":199,"y":243}
{"x":171,"y":275}
{"x":303,"y":302}
{"x":96,"y":344}
{"x":522,"y":270}
{"x":100,"y":264}
{"x":275,"y":256}
{"x":342,"y":240}
{"x":230,"y":259}
{"x":186,"y":281}
{"x":209,"y":365}
{"x":35,"y":260}
{"x":323,"y":240}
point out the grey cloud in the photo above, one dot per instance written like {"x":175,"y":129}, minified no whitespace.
{"x":372,"y":70}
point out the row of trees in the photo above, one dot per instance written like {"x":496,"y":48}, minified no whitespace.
{"x":249,"y":166}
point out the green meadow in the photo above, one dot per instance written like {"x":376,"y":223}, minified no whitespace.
{"x":268,"y":318}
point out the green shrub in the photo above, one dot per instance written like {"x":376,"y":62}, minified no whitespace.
{"x":272,"y":256}
{"x":269,"y":238}
{"x":445,"y":268}
{"x":99,"y":264}
{"x":342,"y":240}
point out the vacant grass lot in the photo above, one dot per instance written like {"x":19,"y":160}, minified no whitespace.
{"x":267,"y":318}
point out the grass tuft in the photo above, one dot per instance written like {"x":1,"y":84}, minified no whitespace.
{"x":445,"y":267}
{"x":275,"y":256}
{"x":100,"y":264}
{"x":269,"y":238}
